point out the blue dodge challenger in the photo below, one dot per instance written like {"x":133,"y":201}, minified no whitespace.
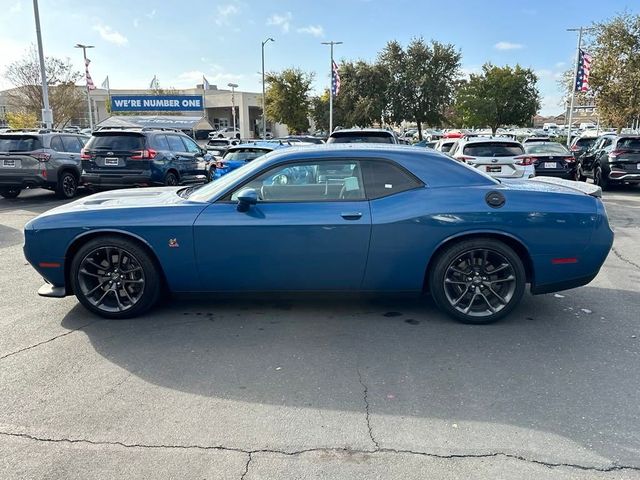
{"x":353,"y":218}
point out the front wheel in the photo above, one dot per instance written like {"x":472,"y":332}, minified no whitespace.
{"x":115,"y":277}
{"x":477,"y":281}
{"x":171,"y":180}
{"x":10,"y":192}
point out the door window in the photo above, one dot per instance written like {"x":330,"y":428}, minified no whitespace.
{"x":71,"y":144}
{"x":159,"y":142}
{"x":176,"y":144}
{"x":339,"y":180}
{"x":56,"y":144}
{"x":382,"y":179}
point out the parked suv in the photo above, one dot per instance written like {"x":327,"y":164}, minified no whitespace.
{"x":499,"y":157}
{"x":40,"y":158}
{"x":141,"y":157}
{"x":612,"y":159}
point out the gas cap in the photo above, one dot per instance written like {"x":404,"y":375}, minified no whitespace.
{"x":495,"y":199}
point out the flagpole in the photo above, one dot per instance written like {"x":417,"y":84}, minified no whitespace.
{"x":573,"y":81}
{"x":84,"y":54}
{"x":331,"y":44}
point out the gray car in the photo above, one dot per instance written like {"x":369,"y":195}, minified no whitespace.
{"x":40,"y":158}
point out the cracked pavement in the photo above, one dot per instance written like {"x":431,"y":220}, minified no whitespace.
{"x":291,"y":387}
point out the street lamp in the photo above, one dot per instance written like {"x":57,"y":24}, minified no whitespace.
{"x":47,"y":115}
{"x":233,"y":104}
{"x":331,"y":43}
{"x":84,"y":54}
{"x":264,"y":116}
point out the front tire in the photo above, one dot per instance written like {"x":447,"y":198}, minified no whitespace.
{"x":10,"y":192}
{"x":115,"y":278}
{"x":67,"y":186}
{"x":477,"y":281}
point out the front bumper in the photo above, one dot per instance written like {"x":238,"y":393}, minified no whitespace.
{"x":48,"y":290}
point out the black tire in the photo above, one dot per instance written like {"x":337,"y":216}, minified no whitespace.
{"x":487,"y":282}
{"x":171,"y":179}
{"x":67,"y":185}
{"x":599,"y":179}
{"x":579,"y":177}
{"x":115,"y":264}
{"x":10,"y":192}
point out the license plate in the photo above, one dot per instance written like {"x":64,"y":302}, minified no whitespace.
{"x":111,"y":162}
{"x":549,"y":164}
{"x":494,"y":169}
{"x":9,"y":163}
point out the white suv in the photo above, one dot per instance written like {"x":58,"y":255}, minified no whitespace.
{"x":499,"y":157}
{"x":227,"y":132}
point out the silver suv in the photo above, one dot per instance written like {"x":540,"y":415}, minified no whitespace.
{"x":40,"y":158}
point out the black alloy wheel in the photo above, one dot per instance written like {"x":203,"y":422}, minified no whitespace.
{"x":10,"y":192}
{"x":67,"y":185}
{"x":478,"y":281}
{"x":171,"y":180}
{"x":115,"y":278}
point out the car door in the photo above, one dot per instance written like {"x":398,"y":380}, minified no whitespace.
{"x":587,"y":160}
{"x":182,"y":158}
{"x":309,"y":231}
{"x":194,"y":156}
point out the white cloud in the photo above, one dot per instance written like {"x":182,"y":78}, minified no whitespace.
{"x":151,"y":14}
{"x":552,"y":105}
{"x":16,"y":7}
{"x":283,"y":21}
{"x":475,"y":69}
{"x":12,"y":50}
{"x":315,"y":30}
{"x":508,"y":46}
{"x":216,"y":75}
{"x":225,"y":12}
{"x":136,"y":23}
{"x":110,"y":35}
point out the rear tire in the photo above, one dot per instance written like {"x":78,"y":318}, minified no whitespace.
{"x":10,"y":192}
{"x":579,"y":177}
{"x":171,"y":179}
{"x":115,"y":278}
{"x":67,"y":185}
{"x":477,"y":281}
{"x":598,"y":179}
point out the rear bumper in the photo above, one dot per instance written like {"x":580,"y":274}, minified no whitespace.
{"x":23,"y":181}
{"x":117,"y":180}
{"x":624,"y":176}
{"x":564,"y":285}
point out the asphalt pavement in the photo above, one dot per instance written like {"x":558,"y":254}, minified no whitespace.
{"x":320,"y":387}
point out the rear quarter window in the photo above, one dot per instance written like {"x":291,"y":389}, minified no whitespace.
{"x":382,"y":178}
{"x":116,"y":142}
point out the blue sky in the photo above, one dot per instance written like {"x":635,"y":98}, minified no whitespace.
{"x":181,"y":41}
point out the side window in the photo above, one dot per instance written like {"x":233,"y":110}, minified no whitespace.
{"x":192,"y":147}
{"x":382,"y":179}
{"x":159,"y":142}
{"x":176,"y":144}
{"x":56,"y":144}
{"x":339,"y":180}
{"x":606,"y":143}
{"x":71,"y":144}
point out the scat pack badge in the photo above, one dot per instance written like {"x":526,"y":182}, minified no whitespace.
{"x":173,"y":243}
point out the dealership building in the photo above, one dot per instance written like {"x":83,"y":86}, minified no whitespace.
{"x":218,"y":105}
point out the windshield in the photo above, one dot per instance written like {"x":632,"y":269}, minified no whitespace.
{"x":361,"y":137}
{"x":244,"y":154}
{"x":19,"y":143}
{"x":585,"y":143}
{"x":547,"y":147}
{"x":493,"y":149}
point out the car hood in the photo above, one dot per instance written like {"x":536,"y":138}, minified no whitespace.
{"x":126,"y":198}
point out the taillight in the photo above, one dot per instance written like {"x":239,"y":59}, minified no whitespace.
{"x":146,"y":154}
{"x":41,"y":156}
{"x":616,"y":153}
{"x":84,"y":155}
{"x":220,"y":164}
{"x":569,"y":159}
{"x":524,"y":161}
{"x":464,"y":158}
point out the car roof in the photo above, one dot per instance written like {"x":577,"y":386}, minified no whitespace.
{"x":363,"y":130}
{"x":262,"y":145}
{"x":489,"y":140}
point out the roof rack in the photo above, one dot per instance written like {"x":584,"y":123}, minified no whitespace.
{"x":32,"y":130}
{"x":142,"y":129}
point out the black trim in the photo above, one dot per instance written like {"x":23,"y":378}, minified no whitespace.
{"x":564,"y":285}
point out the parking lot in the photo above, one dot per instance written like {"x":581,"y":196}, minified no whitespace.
{"x":315,"y":387}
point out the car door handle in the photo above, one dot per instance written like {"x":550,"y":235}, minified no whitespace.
{"x":351,"y":215}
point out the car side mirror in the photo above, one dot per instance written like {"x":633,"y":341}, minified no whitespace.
{"x":246,"y":198}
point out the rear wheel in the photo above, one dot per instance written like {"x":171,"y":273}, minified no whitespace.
{"x":171,"y":179}
{"x":67,"y":185}
{"x":477,"y":281}
{"x":578,"y":175}
{"x":115,"y":278}
{"x":599,"y":178}
{"x":10,"y":192}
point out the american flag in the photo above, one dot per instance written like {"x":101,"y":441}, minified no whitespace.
{"x":335,"y":80}
{"x":90,"y":84}
{"x":584,"y":68}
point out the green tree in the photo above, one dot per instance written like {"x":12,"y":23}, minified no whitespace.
{"x":319,"y":111}
{"x":66,"y":100}
{"x":499,"y":96}
{"x":361,"y":100}
{"x":287,"y":98}
{"x":421,"y":80}
{"x":615,"y":70}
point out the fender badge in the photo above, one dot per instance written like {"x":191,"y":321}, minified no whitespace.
{"x":173,"y":243}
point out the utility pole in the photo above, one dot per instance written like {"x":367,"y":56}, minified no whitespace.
{"x":331,"y":44}
{"x":580,"y":31}
{"x":84,"y":54}
{"x":233,"y":105}
{"x":264,"y":114}
{"x":47,"y":114}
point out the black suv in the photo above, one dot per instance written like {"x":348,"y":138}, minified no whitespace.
{"x":613,"y":159}
{"x":142,"y":157}
{"x":40,"y":158}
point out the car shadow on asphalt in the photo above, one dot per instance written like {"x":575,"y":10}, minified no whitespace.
{"x":552,"y":365}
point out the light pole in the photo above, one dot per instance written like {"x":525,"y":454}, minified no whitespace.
{"x":233,"y":105}
{"x":332,"y":43}
{"x":264,"y":116}
{"x":84,"y":54}
{"x":47,"y":114}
